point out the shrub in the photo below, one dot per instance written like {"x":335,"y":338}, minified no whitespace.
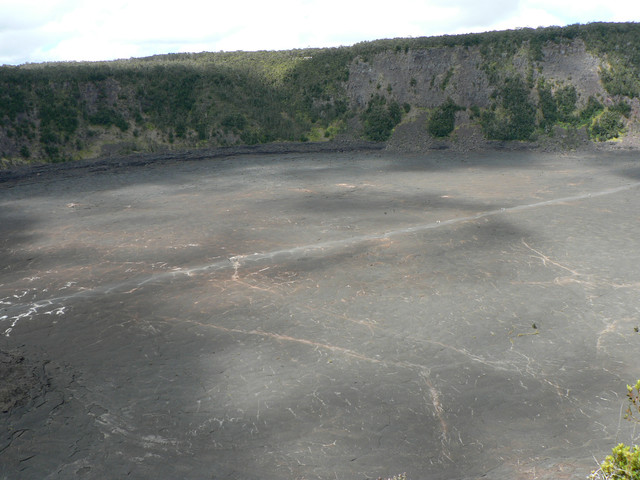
{"x":181,"y":130}
{"x":566,"y":98}
{"x":442,"y":120}
{"x":592,"y":109}
{"x":380,"y":118}
{"x":622,"y":107}
{"x":559,"y":106}
{"x":624,"y":461}
{"x":57,"y":111}
{"x":622,"y":464}
{"x":108,"y":116}
{"x":621,"y":80}
{"x":548,"y":106}
{"x":514,"y":116}
{"x":234,"y":121}
{"x":447,"y":79}
{"x":12,"y":103}
{"x":633,"y":396}
{"x":606,"y":126}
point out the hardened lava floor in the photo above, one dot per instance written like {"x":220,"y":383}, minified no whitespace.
{"x":320,"y":316}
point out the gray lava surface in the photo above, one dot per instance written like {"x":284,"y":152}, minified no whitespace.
{"x":319,"y":316}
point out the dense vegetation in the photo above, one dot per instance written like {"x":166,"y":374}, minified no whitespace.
{"x":61,"y":111}
{"x":442,"y":120}
{"x":380,"y":118}
{"x":64,"y":104}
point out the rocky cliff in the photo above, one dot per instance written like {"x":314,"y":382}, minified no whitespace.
{"x":426,"y":79}
{"x":572,"y":87}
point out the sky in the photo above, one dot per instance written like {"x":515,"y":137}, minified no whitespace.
{"x":78,"y":30}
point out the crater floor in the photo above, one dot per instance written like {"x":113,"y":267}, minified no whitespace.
{"x":317,"y":316}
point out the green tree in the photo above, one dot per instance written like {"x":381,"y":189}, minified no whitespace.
{"x":621,"y":79}
{"x":566,"y":98}
{"x":380,"y":118}
{"x":606,"y":126}
{"x":442,"y":120}
{"x":513,"y":116}
{"x":547,"y":104}
{"x":592,"y":109}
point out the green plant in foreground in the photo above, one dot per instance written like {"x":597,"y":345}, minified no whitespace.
{"x":622,"y":464}
{"x":624,"y":461}
{"x":633,"y":395}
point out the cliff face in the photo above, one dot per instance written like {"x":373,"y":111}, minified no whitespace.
{"x":560,"y":88}
{"x":426,"y":79}
{"x":423,"y":78}
{"x":570,"y":63}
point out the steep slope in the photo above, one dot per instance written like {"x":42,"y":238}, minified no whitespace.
{"x":580,"y":83}
{"x":567,"y":89}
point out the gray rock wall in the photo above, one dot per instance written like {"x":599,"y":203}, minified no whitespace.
{"x":422,"y":78}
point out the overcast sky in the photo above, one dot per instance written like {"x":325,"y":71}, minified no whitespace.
{"x":53,"y":30}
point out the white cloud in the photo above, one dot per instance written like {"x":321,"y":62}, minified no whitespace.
{"x":36,"y":30}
